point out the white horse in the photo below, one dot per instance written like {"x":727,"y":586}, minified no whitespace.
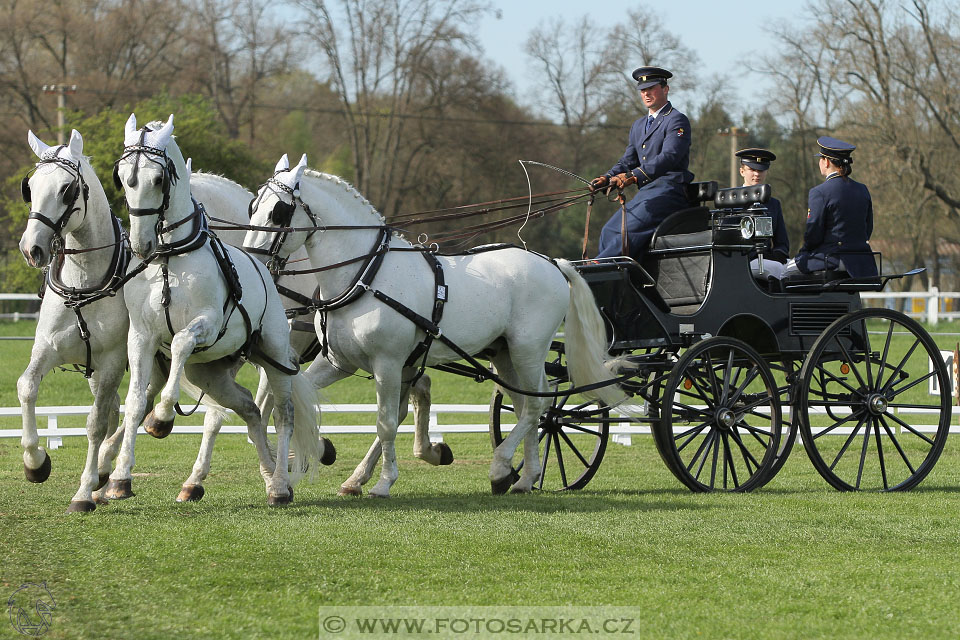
{"x":505,"y":303}
{"x":201,"y":303}
{"x":70,"y":223}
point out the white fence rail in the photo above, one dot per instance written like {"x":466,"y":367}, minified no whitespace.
{"x":620,"y":433}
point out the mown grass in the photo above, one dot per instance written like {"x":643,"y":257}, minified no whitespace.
{"x":793,"y":560}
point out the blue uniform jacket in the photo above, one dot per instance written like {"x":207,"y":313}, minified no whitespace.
{"x":781,"y":241}
{"x":659,"y":159}
{"x":661,"y":154}
{"x":839,"y":224}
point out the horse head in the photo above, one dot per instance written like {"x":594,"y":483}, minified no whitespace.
{"x":57,"y":194}
{"x":278,"y":204}
{"x":149,"y":172}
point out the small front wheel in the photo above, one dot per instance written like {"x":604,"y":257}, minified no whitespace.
{"x":720,"y":422}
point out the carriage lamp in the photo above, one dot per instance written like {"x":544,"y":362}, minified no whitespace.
{"x":747,"y":227}
{"x":756,"y":226}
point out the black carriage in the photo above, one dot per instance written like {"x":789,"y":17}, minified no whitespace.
{"x":712,"y":355}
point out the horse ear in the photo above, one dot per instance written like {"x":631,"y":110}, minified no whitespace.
{"x":283,"y":165}
{"x":166,"y":131}
{"x":38,"y":145}
{"x":189,"y":168}
{"x":299,"y":169}
{"x":76,"y":144}
{"x":130,"y":136}
{"x":25,"y":189}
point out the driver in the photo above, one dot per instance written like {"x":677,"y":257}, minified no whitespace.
{"x":656,"y":159}
{"x":839,"y":219}
{"x":754,"y":164}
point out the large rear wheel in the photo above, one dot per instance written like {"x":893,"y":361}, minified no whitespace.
{"x":865,"y":373}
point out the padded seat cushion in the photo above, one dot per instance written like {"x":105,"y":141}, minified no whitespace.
{"x":682,"y":276}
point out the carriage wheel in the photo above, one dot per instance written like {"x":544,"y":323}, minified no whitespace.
{"x":573,"y":433}
{"x":862,"y":369}
{"x":720,"y":419}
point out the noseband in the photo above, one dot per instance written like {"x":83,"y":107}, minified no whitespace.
{"x":71,"y":194}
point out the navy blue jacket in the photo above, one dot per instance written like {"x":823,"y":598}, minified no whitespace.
{"x":659,"y":159}
{"x":660,"y":154}
{"x":839,"y":224}
{"x":781,"y":241}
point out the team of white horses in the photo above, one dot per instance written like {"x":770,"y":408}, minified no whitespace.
{"x":189,"y":306}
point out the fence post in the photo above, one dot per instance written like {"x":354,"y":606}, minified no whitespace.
{"x":53,"y":442}
{"x":433,"y":430}
{"x":933,"y":305}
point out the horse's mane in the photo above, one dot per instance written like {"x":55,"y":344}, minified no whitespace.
{"x":347,"y":188}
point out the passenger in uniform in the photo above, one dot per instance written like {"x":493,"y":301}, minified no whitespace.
{"x":839,"y":219}
{"x":754,"y":164}
{"x":656,"y":159}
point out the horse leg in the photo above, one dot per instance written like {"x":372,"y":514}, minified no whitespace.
{"x":103,"y":384}
{"x":111,"y":446}
{"x":528,"y":410}
{"x":435,"y":454}
{"x":192,"y":489}
{"x":219,"y":384}
{"x":388,"y":404}
{"x":36,"y":461}
{"x":140,"y":351}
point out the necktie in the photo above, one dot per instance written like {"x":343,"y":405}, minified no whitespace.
{"x":649,"y":124}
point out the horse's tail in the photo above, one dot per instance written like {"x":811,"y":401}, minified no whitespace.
{"x":585,"y":341}
{"x":305,"y":445}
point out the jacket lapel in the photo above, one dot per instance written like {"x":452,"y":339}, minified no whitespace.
{"x":659,"y":121}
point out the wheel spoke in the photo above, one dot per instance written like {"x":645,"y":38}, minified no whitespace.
{"x":695,"y":410}
{"x":853,"y":434}
{"x":710,"y":373}
{"x":863,"y":453}
{"x":908,"y":428}
{"x":893,"y":374}
{"x":850,"y":417}
{"x":726,"y":379}
{"x":563,"y":470}
{"x":729,"y":463}
{"x":853,"y":366}
{"x":700,"y":450}
{"x":703,"y":394}
{"x":893,"y":393}
{"x":543,"y":462}
{"x":896,"y":443}
{"x":573,"y":448}
{"x":716,"y":457}
{"x":750,"y":377}
{"x":883,"y":468}
{"x":868,"y":352}
{"x":747,"y":456}
{"x":693,"y":434}
{"x":582,"y":429}
{"x":886,"y":352}
{"x":839,"y":381}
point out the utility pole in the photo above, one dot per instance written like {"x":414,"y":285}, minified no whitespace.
{"x":734,"y":133}
{"x":61,"y":90}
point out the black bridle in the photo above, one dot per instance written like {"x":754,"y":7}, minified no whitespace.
{"x":158,"y":157}
{"x":281,"y":215}
{"x":71,"y":193}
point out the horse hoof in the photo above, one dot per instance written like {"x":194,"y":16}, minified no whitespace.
{"x":514,"y":489}
{"x":156,"y":427}
{"x":41,"y":473}
{"x":81,"y":506}
{"x":500,"y":487}
{"x":446,"y":455}
{"x":329,"y":452}
{"x":190,"y":493}
{"x":281,"y":500}
{"x":104,"y":478}
{"x":119,"y":490}
{"x":353,"y":492}
{"x":100,"y":499}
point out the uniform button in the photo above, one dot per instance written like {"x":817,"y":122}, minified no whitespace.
{"x":644,"y":157}
{"x":643,"y":146}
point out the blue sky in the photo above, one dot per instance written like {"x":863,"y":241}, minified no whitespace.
{"x":722,"y":32}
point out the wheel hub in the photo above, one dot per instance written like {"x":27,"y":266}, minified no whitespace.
{"x":550,"y":422}
{"x":726,"y":419}
{"x":877,"y":404}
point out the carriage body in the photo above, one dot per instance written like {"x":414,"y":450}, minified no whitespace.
{"x":729,"y":368}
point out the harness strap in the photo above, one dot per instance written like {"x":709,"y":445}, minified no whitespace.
{"x":624,"y":240}
{"x":440,"y":298}
{"x":482,"y":371}
{"x":586,"y":229}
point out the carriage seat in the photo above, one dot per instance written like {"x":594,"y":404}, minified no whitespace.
{"x":830,"y":280}
{"x":700,"y":192}
{"x":679,"y":258}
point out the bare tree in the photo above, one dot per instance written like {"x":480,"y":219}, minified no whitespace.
{"x":377,"y":54}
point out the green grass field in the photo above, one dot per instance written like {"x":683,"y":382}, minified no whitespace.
{"x":793,"y":560}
